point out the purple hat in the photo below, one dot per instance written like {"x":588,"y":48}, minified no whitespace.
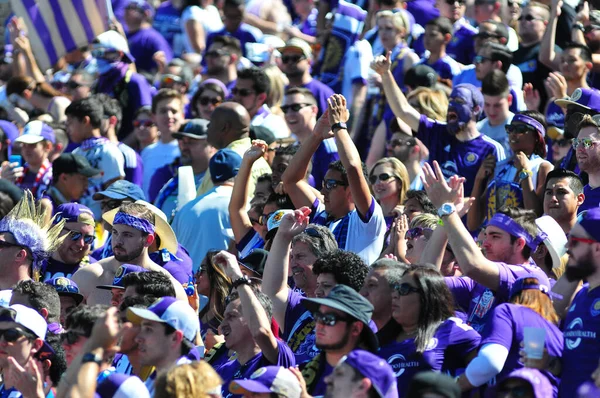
{"x":74,"y":212}
{"x":118,"y":385}
{"x":142,"y":5}
{"x":11,"y":132}
{"x":590,"y":221}
{"x":268,"y":379}
{"x":520,"y":285}
{"x":216,"y":82}
{"x":36,"y":131}
{"x":376,"y":369}
{"x":175,"y":313}
{"x":540,"y":384}
{"x":121,"y":272}
{"x":588,"y":98}
{"x":475,"y":98}
{"x":66,"y":287}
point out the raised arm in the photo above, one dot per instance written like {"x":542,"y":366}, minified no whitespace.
{"x":396,"y":99}
{"x":547,"y":55}
{"x":477,"y":213}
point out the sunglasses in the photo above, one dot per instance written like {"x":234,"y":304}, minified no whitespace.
{"x":452,"y":2}
{"x":414,"y":233}
{"x":563,"y":143}
{"x":71,"y":337}
{"x":107,"y":54}
{"x":209,"y":100}
{"x":111,"y":204}
{"x":518,"y":129}
{"x":4,"y":244}
{"x":479,"y":59}
{"x":313,"y":233}
{"x":529,"y":18}
{"x":143,"y":123}
{"x":286,"y":59}
{"x":486,"y":35}
{"x":13,"y":334}
{"x":217,"y":53}
{"x":330,"y":319}
{"x":332,"y":184}
{"x":404,"y":289}
{"x":515,"y":392}
{"x":242,"y":92}
{"x":76,"y":235}
{"x":170,"y":79}
{"x":381,"y":177}
{"x":395,"y":143}
{"x":585,"y":143}
{"x":262,"y":220}
{"x":199,"y":273}
{"x":294,"y":107}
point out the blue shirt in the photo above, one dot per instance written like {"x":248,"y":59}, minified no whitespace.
{"x":592,"y":198}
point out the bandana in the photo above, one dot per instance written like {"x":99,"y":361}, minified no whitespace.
{"x":134,"y":222}
{"x":511,"y":227}
{"x":531,"y":122}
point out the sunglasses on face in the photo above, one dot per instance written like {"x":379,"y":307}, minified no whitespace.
{"x":383,"y":177}
{"x":395,"y":143}
{"x":143,"y":123}
{"x":529,"y":18}
{"x":107,"y":54}
{"x":404,"y":289}
{"x":585,"y":143}
{"x":209,"y":100}
{"x":111,"y":204}
{"x":294,"y":107}
{"x":452,"y":2}
{"x":13,"y":334}
{"x":332,"y":184}
{"x":515,"y":392}
{"x":414,"y":233}
{"x":286,"y":59}
{"x":479,"y":59}
{"x":216,"y":53}
{"x":486,"y":35}
{"x":518,"y":129}
{"x":329,"y":319}
{"x":5,"y":244}
{"x":262,"y":220}
{"x":562,"y":143}
{"x":76,"y":235}
{"x":242,"y":92}
{"x":71,"y":337}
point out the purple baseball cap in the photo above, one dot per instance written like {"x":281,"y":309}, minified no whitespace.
{"x":175,"y":313}
{"x":475,"y":98}
{"x":141,"y":5}
{"x":268,"y":379}
{"x":66,"y":287}
{"x":118,"y":385}
{"x":11,"y":132}
{"x":121,"y":272}
{"x":590,"y":221}
{"x":374,"y":368}
{"x":540,"y":384}
{"x":74,"y":212}
{"x":36,"y":131}
{"x":588,"y":98}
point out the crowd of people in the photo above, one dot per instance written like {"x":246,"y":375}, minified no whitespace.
{"x":294,"y":199}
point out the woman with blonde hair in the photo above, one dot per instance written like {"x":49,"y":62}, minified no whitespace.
{"x":276,"y":89}
{"x":389,"y":183}
{"x":430,"y":102}
{"x":196,"y":379}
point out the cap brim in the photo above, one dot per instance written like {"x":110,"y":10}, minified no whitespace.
{"x":189,"y":135}
{"x":240,"y":387}
{"x":108,"y":194}
{"x":89,"y":172}
{"x":137,"y":315}
{"x":562,"y":102}
{"x":313,"y":305}
{"x":78,"y":297}
{"x":109,"y":287}
{"x":29,"y":139}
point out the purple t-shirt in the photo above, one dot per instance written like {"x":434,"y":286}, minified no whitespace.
{"x":52,"y":268}
{"x":457,"y":157}
{"x":581,"y":351}
{"x":422,"y":10}
{"x":322,"y":92}
{"x":166,"y":22}
{"x":506,"y":327}
{"x":160,"y":177}
{"x":453,"y":339}
{"x":143,"y":44}
{"x":592,"y":198}
{"x":245,"y":34}
{"x":179,"y":269}
{"x":233,"y":370}
{"x":478,"y":301}
{"x":299,"y":330}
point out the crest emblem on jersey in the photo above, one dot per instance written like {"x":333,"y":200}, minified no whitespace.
{"x":471,"y":158}
{"x":120,"y":272}
{"x":62,"y":282}
{"x":258,"y":373}
{"x":595,"y":308}
{"x":576,"y":94}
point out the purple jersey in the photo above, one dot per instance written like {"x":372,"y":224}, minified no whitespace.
{"x":505,"y":327}
{"x":454,"y":155}
{"x":167,"y":22}
{"x":180,"y":267}
{"x":422,"y":10}
{"x":478,"y":300}
{"x":233,"y":370}
{"x":144,"y":43}
{"x":321,"y":92}
{"x":446,"y":67}
{"x":52,"y":268}
{"x":245,"y":34}
{"x":299,"y":330}
{"x":453,"y":339}
{"x":592,"y":198}
{"x":581,"y":351}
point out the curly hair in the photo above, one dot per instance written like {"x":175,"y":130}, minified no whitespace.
{"x":196,"y":379}
{"x":346,"y":267}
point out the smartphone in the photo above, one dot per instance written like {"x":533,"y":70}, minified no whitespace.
{"x":16,"y":159}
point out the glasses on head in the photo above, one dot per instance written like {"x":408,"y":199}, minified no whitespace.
{"x":293,"y":107}
{"x":286,"y":59}
{"x":242,"y":92}
{"x":13,"y":334}
{"x":404,"y":289}
{"x":529,"y":18}
{"x":209,"y":100}
{"x":312,"y":232}
{"x":332,"y":184}
{"x":76,"y":235}
{"x":217,"y":53}
{"x":585,"y":143}
{"x":414,"y":233}
{"x":329,"y":319}
{"x":71,"y":337}
{"x":518,"y":128}
{"x":479,"y":59}
{"x":143,"y":123}
{"x":383,"y":177}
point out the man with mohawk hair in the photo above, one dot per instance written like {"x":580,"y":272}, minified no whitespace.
{"x":26,"y":239}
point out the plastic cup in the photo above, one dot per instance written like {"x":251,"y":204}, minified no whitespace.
{"x":534,"y":340}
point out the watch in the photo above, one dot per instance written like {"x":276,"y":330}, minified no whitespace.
{"x":524,"y":174}
{"x":579,"y":26}
{"x":90,"y":357}
{"x":446,"y":209}
{"x":338,"y":126}
{"x":240,"y":281}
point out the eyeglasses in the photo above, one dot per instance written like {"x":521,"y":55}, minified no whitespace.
{"x":479,"y":59}
{"x":4,"y":244}
{"x":329,"y":319}
{"x":486,"y":35}
{"x":451,"y":2}
{"x":170,"y":79}
{"x":404,"y":289}
{"x":216,"y":53}
{"x":294,"y":107}
{"x":242,"y":92}
{"x":518,"y":128}
{"x":381,"y":177}
{"x":562,"y":143}
{"x":13,"y":334}
{"x":286,"y":59}
{"x":529,"y":18}
{"x":414,"y":233}
{"x":143,"y":123}
{"x":76,"y":235}
{"x":585,"y":143}
{"x":262,"y":220}
{"x":71,"y":337}
{"x":209,"y":100}
{"x":332,"y":184}
{"x":199,"y":273}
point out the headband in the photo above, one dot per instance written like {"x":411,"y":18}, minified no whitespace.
{"x":511,"y":227}
{"x":520,"y":285}
{"x":530,"y":122}
{"x":135,"y":222}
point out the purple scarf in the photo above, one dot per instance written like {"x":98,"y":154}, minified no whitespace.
{"x":108,"y":81}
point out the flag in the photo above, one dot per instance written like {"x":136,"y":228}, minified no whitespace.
{"x":56,"y":27}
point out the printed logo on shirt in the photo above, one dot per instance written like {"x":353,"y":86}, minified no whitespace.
{"x":572,"y":308}
{"x":432,"y":344}
{"x":471,"y":158}
{"x":259,"y":372}
{"x":574,"y":333}
{"x":399,"y":364}
{"x":595,"y":308}
{"x":527,"y":67}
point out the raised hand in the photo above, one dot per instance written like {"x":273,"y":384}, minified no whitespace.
{"x":28,"y":380}
{"x":382,"y":64}
{"x":256,"y":151}
{"x":461,"y":203}
{"x":437,"y":188}
{"x":228,"y":263}
{"x":531,"y":96}
{"x":322,"y":129}
{"x":337,"y":109}
{"x":556,"y":84}
{"x":295,"y":223}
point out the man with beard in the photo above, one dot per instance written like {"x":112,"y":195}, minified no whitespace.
{"x":456,"y":144}
{"x":133,"y":232}
{"x":562,"y":197}
{"x":587,"y":150}
{"x":222,"y":58}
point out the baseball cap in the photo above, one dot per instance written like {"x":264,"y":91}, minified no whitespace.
{"x":216,"y":82}
{"x":519,"y":285}
{"x":374,"y":368}
{"x":119,"y":385}
{"x":590,"y":221}
{"x":421,"y":76}
{"x":268,"y":379}
{"x":74,"y":212}
{"x":274,"y":221}
{"x":195,"y":128}
{"x":121,"y":272}
{"x":587,"y":98}
{"x":349,"y":301}
{"x":66,"y":287}
{"x":434,"y":383}
{"x":255,"y":261}
{"x":114,"y":41}
{"x":121,"y":189}
{"x":224,"y":165}
{"x":142,"y":5}
{"x":175,"y":313}
{"x":11,"y":132}
{"x":30,"y":319}
{"x":297,"y":45}
{"x":539,"y":382}
{"x":36,"y":131}
{"x":69,"y":163}
{"x":262,"y":133}
{"x":556,"y":240}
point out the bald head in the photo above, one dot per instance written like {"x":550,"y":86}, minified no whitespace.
{"x":229,"y":121}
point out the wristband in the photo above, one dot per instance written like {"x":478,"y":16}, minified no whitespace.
{"x":338,"y":126}
{"x":240,"y":281}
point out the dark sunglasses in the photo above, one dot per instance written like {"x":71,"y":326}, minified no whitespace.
{"x":518,"y":129}
{"x":381,"y":177}
{"x":209,"y":100}
{"x":529,"y":18}
{"x":262,"y":220}
{"x":72,"y":85}
{"x":286,"y":59}
{"x":312,"y":232}
{"x":111,"y":204}
{"x":414,"y":233}
{"x":216,"y":53}
{"x":332,"y":184}
{"x":170,"y":79}
{"x":479,"y":59}
{"x":76,"y":235}
{"x":13,"y":334}
{"x":486,"y":35}
{"x":294,"y":107}
{"x":330,"y":319}
{"x":562,"y":143}
{"x":242,"y":92}
{"x":404,"y":289}
{"x":143,"y":123}
{"x":200,"y":272}
{"x":71,"y":337}
{"x":5,"y":244}
{"x":451,"y":2}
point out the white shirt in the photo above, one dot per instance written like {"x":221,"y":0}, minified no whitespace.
{"x":156,"y":156}
{"x":357,"y":65}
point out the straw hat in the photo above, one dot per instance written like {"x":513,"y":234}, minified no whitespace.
{"x":168,"y":240}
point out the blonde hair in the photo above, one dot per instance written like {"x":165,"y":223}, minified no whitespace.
{"x":432,"y":103}
{"x":196,"y":379}
{"x":276,"y":89}
{"x":400,"y":172}
{"x":425,"y":220}
{"x":399,"y":19}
